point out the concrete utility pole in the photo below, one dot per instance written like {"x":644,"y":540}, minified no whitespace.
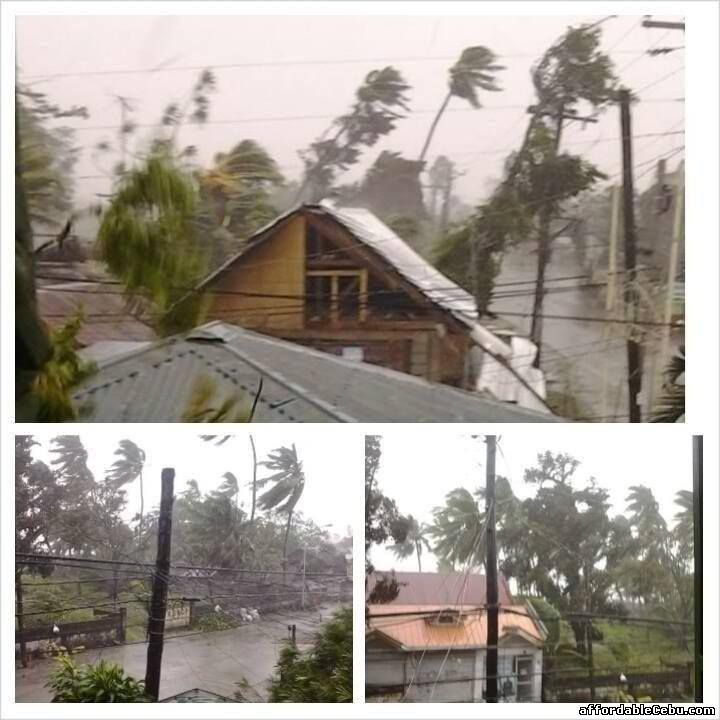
{"x":611,"y":292}
{"x":303,"y":576}
{"x":672,"y":268}
{"x":491,"y":673}
{"x":698,"y":561}
{"x":633,"y":346}
{"x":655,"y":232}
{"x":158,"y":603}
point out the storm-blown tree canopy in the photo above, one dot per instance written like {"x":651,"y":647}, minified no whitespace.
{"x":324,"y":674}
{"x":475,"y":70}
{"x":377,"y":107}
{"x":561,"y":545}
{"x":573,"y":76}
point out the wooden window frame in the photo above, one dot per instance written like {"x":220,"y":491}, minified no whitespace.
{"x":362,"y":276}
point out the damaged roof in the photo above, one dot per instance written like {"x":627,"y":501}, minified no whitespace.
{"x":155,"y":382}
{"x":440,"y":589}
{"x":417,"y":629}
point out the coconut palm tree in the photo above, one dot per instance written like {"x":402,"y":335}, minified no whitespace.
{"x":288,"y":483}
{"x":457,"y":529}
{"x":127,"y":468}
{"x":671,"y":405}
{"x":415,"y":541}
{"x":475,"y":70}
{"x":685,"y":521}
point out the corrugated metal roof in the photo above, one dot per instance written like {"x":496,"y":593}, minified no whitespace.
{"x":414,"y":268}
{"x":422,"y":632}
{"x":300,"y":384}
{"x":441,"y":589}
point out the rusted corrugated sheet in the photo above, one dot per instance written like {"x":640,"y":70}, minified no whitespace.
{"x":442,"y":589}
{"x":417,"y":629}
{"x":104,"y":307}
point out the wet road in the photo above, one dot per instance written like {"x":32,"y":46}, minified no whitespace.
{"x":213,"y":661}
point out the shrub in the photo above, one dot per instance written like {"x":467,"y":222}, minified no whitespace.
{"x":322,"y":675}
{"x":100,"y":683}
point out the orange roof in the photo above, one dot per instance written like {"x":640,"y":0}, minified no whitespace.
{"x":411,"y":632}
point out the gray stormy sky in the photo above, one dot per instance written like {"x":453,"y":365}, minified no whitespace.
{"x":325,"y":499}
{"x":421,"y":47}
{"x":418,"y":473}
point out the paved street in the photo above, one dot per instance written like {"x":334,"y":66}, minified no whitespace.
{"x":215,"y":661}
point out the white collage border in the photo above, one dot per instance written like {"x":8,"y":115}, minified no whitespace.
{"x":701,"y":342}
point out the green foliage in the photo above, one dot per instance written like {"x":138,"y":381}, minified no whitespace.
{"x":48,"y":156}
{"x":322,"y":675}
{"x":373,"y":115}
{"x":391,"y":188}
{"x":213,"y":622}
{"x":100,"y":683}
{"x":475,"y":69}
{"x":64,"y":369}
{"x":235,"y":195}
{"x":288,"y":481}
{"x":671,"y":405}
{"x":382,"y":517}
{"x":575,"y":70}
{"x":148,"y":238}
{"x":415,"y":541}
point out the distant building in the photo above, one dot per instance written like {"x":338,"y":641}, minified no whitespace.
{"x":429,"y":644}
{"x":338,"y":280}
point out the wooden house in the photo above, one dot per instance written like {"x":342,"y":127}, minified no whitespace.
{"x":339,"y":280}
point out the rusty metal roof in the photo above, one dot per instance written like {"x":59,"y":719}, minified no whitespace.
{"x":104,"y":308}
{"x":442,"y":589}
{"x":419,"y":630}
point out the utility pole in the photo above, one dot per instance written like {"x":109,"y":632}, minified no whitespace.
{"x":303,"y":576}
{"x":545,"y":221}
{"x":610,"y":296}
{"x":20,"y":614}
{"x":633,"y":346}
{"x":588,"y":632}
{"x":655,"y":233}
{"x":698,"y":562}
{"x":158,"y":603}
{"x":672,"y":267}
{"x":491,"y":694}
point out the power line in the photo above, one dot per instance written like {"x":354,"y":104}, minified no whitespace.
{"x":273,"y":63}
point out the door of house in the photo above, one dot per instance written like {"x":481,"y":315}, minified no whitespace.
{"x":523,"y":673}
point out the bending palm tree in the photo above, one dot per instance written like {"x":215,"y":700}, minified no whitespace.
{"x":288,"y":485}
{"x":415,"y":540}
{"x":128,"y":468}
{"x":474,"y":70}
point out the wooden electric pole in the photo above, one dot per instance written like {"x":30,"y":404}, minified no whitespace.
{"x":158,"y":603}
{"x":633,"y":346}
{"x":491,"y":673}
{"x":698,"y":562}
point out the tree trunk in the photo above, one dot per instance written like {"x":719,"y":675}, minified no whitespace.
{"x":544,"y":253}
{"x":418,"y":550}
{"x":142,"y":506}
{"x":435,"y":122}
{"x":285,"y":544}
{"x":254,"y":482}
{"x":20,"y":619}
